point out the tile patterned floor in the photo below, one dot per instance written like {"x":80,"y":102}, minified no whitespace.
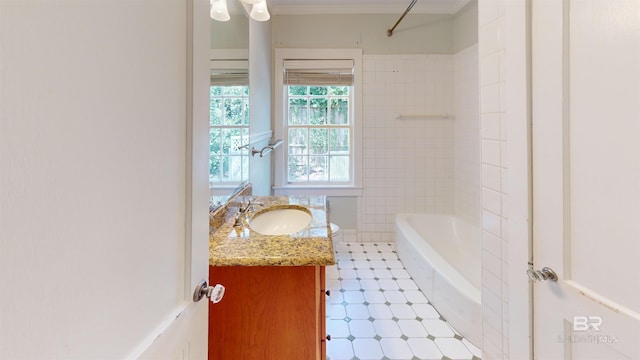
{"x":376,"y":311}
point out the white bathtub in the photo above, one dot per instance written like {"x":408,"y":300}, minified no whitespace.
{"x":442,"y":254}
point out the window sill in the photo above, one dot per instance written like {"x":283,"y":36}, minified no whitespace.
{"x":317,"y":190}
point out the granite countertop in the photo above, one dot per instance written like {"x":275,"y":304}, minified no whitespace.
{"x":310,"y":246}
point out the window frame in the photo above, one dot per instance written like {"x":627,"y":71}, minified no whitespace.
{"x":281,"y":183}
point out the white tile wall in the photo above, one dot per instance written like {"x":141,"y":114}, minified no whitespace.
{"x":411,"y":165}
{"x":467,"y":136}
{"x":491,"y":49}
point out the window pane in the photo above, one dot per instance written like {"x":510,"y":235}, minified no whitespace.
{"x":215,"y":91}
{"x":340,"y":111}
{"x":298,"y":111}
{"x":234,"y":168}
{"x":233,"y":111}
{"x":318,"y":90}
{"x":340,"y":141}
{"x":234,"y":90}
{"x":214,"y":168}
{"x":215,"y":146}
{"x":244,"y":140}
{"x":338,"y":90}
{"x":215,"y":111}
{"x":245,"y":112}
{"x":318,"y":168}
{"x":298,"y":141}
{"x":231,"y":140}
{"x":319,"y":139}
{"x":298,"y":90}
{"x":298,"y":168}
{"x":318,"y":111}
{"x":339,"y":168}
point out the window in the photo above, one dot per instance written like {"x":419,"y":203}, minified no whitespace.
{"x":318,"y":119}
{"x":228,"y":123}
{"x":319,"y":129}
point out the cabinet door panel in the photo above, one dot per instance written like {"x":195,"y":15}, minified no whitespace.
{"x":266,"y":313}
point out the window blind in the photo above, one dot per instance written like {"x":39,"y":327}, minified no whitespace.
{"x":318,"y":72}
{"x":229,"y":72}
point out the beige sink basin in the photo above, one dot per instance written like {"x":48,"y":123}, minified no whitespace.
{"x":281,"y":220}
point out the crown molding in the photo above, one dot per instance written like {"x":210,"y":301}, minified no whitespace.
{"x":436,"y":7}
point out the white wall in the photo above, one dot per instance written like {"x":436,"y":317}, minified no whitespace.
{"x":416,"y":34}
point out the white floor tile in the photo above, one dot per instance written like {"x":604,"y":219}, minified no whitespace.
{"x":350,"y":284}
{"x":357,"y":311}
{"x":380,"y":311}
{"x":336,"y":312}
{"x":338,"y":328}
{"x":362,"y":265}
{"x":407,"y":284}
{"x":400,"y":274}
{"x":412,"y":328}
{"x":347,"y":273}
{"x":333,"y":284}
{"x":395,"y":297}
{"x":374,"y":296}
{"x":378,"y":264}
{"x":394,"y":348}
{"x":425,"y":311}
{"x":438,"y":328}
{"x":383,"y":274}
{"x":353,"y":297}
{"x":365,"y":348}
{"x":370,"y":285}
{"x":402,"y":311}
{"x":340,"y":349}
{"x":365,"y":274}
{"x":335,"y":297}
{"x":415,"y":297}
{"x":362,"y":328}
{"x":374,"y":256}
{"x":345,"y":264}
{"x":424,"y":349}
{"x":377,"y":311}
{"x":389,"y":284}
{"x":387,"y":328}
{"x":453,"y":348}
{"x":394,"y":264}
{"x":359,"y":256}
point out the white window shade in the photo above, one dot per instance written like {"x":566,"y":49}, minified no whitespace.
{"x":229,"y":72}
{"x":318,"y":72}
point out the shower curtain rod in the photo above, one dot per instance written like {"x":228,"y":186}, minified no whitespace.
{"x":390,"y":31}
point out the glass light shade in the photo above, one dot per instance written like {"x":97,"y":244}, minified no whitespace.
{"x":259,"y":11}
{"x":219,"y":10}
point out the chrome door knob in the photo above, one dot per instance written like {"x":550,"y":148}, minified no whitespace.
{"x":542,"y":275}
{"x":214,"y":293}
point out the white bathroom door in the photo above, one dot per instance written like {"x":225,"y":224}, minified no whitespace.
{"x":586,"y":178}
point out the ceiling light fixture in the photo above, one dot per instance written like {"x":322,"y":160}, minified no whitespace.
{"x":219,"y":10}
{"x":259,"y":11}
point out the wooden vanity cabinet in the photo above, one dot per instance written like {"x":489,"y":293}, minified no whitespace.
{"x":268,"y":313}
